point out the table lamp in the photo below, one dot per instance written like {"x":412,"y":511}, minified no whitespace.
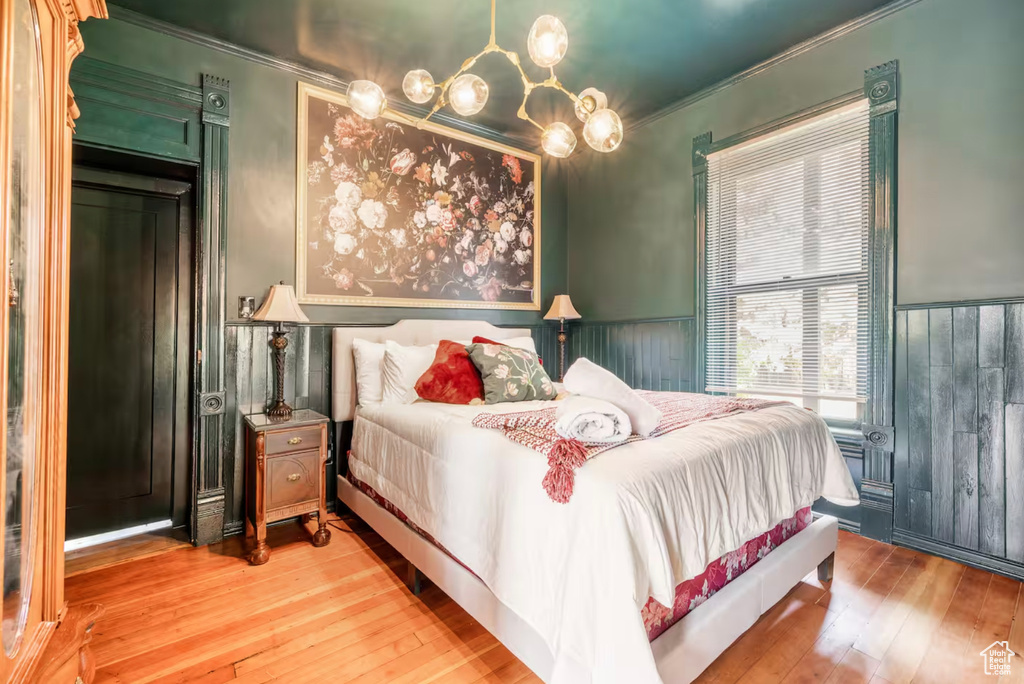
{"x":280,"y":307}
{"x":563,"y":310}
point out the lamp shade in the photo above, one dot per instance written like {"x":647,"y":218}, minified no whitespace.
{"x":562,"y":308}
{"x":281,"y":306}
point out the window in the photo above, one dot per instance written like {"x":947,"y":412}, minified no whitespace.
{"x":787,"y":265}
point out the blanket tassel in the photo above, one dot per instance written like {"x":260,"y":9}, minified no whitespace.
{"x":564,"y":458}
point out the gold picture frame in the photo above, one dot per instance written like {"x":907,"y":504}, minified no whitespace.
{"x":484,"y":244}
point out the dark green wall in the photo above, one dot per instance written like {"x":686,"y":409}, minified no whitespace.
{"x":961,"y":161}
{"x":261,"y":175}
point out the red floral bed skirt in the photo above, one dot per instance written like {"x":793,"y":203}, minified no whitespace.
{"x":718,"y":573}
{"x":690,"y":594}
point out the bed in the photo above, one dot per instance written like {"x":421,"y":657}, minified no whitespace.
{"x":669,"y":550}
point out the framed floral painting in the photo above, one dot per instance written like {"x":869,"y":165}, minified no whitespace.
{"x":390,"y":214}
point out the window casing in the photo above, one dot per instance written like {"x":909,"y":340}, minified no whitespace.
{"x":787,"y":265}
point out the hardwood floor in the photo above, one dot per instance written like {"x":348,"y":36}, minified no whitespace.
{"x":123,"y":551}
{"x":342,"y":614}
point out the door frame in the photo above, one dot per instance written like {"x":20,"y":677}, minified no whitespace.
{"x":133,"y":109}
{"x":181,"y":193}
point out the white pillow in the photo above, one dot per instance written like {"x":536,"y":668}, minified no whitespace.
{"x":369,"y":358}
{"x":401,"y":368}
{"x":526,"y":343}
{"x":587,"y":378}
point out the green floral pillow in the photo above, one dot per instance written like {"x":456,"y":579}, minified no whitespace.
{"x":510,"y":374}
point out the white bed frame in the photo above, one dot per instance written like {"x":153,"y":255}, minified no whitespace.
{"x":682,"y":652}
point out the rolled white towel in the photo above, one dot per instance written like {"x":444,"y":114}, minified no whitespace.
{"x":587,"y":378}
{"x":591,"y":420}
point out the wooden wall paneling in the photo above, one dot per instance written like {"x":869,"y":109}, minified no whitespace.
{"x":965,"y":487}
{"x":921,"y":512}
{"x":901,"y":451}
{"x":291,"y":362}
{"x":636,"y":354}
{"x":991,"y":336}
{"x":965,"y":369}
{"x":242,"y":389}
{"x":653,"y":355}
{"x":232,"y":416}
{"x":261,"y":376}
{"x":1014,"y":345}
{"x":940,"y":336}
{"x":961,"y":426}
{"x":317,"y":395}
{"x":646,"y":358}
{"x":919,"y":422}
{"x":1014,"y":426}
{"x":991,"y":462}
{"x":942,"y":449}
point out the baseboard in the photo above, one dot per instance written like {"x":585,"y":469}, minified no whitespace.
{"x":1000,"y":566}
{"x":233,"y":528}
{"x":876,"y":509}
{"x":849,"y":526}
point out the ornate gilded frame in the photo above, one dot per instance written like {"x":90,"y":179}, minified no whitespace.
{"x":305,"y":90}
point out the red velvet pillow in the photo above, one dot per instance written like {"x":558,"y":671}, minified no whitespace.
{"x":452,"y":378}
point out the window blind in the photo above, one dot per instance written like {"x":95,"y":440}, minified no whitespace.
{"x":787,"y":265}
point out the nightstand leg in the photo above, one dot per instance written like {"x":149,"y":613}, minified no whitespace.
{"x":322,"y":536}
{"x":261,"y":554}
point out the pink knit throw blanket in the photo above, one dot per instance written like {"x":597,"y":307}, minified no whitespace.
{"x":536,"y":430}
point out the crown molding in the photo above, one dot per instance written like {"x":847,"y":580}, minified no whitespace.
{"x":316,"y":76}
{"x":794,"y":51}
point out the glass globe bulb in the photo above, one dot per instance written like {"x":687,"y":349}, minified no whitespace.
{"x":548,"y":41}
{"x":418,"y":86}
{"x":595,"y":98}
{"x":603,"y":130}
{"x":367,"y":99}
{"x":468,"y":94}
{"x":558,"y":140}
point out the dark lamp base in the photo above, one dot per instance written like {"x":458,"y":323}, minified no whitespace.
{"x":280,"y":410}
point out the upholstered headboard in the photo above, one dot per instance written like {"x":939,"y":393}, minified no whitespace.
{"x":408,"y":332}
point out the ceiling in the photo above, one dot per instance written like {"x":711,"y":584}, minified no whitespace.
{"x":645,"y":54}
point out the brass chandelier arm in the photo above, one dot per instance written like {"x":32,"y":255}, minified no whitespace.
{"x":529,"y":85}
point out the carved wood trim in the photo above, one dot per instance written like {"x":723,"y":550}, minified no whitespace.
{"x":211,"y":247}
{"x":699,"y":159}
{"x":880,"y":88}
{"x":59,"y":43}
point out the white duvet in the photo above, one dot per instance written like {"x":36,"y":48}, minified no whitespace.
{"x":644,"y":517}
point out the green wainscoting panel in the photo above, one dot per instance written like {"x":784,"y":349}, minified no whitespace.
{"x":959,"y":460}
{"x":652,"y":355}
{"x":128,"y":110}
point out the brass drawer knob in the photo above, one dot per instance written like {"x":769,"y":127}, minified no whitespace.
{"x":294,"y":477}
{"x":295,"y":440}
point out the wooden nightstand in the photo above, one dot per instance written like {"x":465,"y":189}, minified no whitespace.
{"x":284,"y":475}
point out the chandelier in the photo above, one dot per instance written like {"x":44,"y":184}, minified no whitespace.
{"x":467,"y":93}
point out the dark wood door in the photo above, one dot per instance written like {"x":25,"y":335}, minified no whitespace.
{"x":128,"y":352}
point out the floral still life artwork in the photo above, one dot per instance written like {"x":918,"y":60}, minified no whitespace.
{"x":394,"y":215}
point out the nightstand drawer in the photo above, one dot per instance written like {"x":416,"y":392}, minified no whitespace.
{"x":300,"y":439}
{"x":293,"y":478}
